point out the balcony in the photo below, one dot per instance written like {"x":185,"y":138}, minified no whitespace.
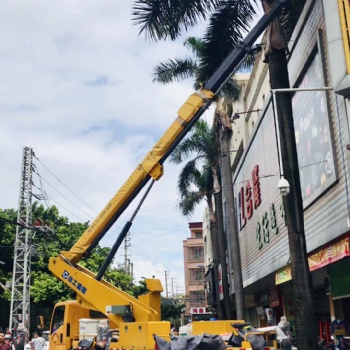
{"x":199,"y":259}
{"x":196,"y":282}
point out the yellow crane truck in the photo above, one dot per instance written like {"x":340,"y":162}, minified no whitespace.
{"x":135,"y":320}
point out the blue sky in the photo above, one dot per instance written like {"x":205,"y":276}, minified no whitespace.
{"x":76,"y":86}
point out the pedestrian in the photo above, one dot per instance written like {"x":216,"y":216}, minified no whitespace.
{"x":38,"y":342}
{"x":286,"y":344}
{"x":8,"y":339}
{"x":4,"y":345}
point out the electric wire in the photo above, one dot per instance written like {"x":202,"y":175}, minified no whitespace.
{"x":63,"y":183}
{"x":111,"y":233}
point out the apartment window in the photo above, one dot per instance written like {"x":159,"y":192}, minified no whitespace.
{"x":197,"y":297}
{"x":196,"y":253}
{"x":198,"y":234}
{"x":197,"y":274}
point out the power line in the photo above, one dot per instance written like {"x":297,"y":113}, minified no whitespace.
{"x":63,"y":183}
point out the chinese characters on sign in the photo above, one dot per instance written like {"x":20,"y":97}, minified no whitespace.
{"x":249,"y":198}
{"x":198,"y":310}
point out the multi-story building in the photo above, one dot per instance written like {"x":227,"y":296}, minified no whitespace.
{"x":194,"y":269}
{"x":319,"y":56}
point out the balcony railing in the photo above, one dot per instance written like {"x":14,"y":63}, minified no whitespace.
{"x":195,"y":259}
{"x":193,"y":281}
{"x":344,"y":12}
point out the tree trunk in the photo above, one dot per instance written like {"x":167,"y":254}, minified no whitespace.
{"x":222,"y":258}
{"x":306,"y":330}
{"x":216,"y":258}
{"x":225,"y":131}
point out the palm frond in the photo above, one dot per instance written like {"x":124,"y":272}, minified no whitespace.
{"x":188,"y":204}
{"x":152,"y":16}
{"x":195,"y":45}
{"x":189,"y":175}
{"x":290,"y":15}
{"x":194,"y":186}
{"x":160,"y":19}
{"x":231,"y":90}
{"x":226,"y":29}
{"x":174,"y":70}
{"x":201,"y":144}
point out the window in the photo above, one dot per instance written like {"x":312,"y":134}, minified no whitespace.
{"x":197,"y":297}
{"x":197,"y":274}
{"x":196,"y":253}
{"x":58,"y":318}
{"x":198,"y":235}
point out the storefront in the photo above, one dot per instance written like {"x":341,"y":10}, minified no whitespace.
{"x":330,"y":270}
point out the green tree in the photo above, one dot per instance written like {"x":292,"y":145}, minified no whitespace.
{"x":46,"y":289}
{"x":195,"y":67}
{"x":162,"y":19}
{"x":200,"y":67}
{"x":279,"y":32}
{"x":208,"y":54}
{"x":7,"y":236}
{"x":196,"y":184}
{"x":171,"y":310}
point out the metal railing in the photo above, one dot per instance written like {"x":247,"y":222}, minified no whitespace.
{"x":196,"y":281}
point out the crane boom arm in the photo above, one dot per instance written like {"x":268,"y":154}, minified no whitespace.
{"x":151,"y":166}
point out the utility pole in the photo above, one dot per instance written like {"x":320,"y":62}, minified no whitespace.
{"x":132,"y":272}
{"x":20,"y":297}
{"x":172,"y":288}
{"x":166,"y":284}
{"x":126,"y":260}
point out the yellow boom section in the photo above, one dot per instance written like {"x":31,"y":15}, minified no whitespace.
{"x":101,"y":295}
{"x":149,"y":166}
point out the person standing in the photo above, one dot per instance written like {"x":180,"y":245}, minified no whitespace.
{"x":286,"y":344}
{"x":38,"y":342}
{"x":4,"y":345}
{"x":8,"y":339}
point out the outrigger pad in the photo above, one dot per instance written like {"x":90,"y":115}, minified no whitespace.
{"x":195,"y":342}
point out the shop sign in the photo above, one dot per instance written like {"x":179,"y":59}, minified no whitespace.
{"x":249,"y":198}
{"x":283,"y":275}
{"x":266,"y":227}
{"x":221,"y":288}
{"x":330,"y":254}
{"x":198,"y":310}
{"x":274,"y":297}
{"x":324,"y":257}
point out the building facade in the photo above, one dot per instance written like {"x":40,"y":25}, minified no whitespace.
{"x":319,"y":58}
{"x":194,"y":271}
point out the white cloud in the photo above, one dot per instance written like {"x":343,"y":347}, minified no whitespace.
{"x":76,"y":87}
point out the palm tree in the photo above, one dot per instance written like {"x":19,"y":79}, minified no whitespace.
{"x":161,"y":19}
{"x":192,"y":67}
{"x":223,"y":127}
{"x":279,"y":32}
{"x":202,"y":145}
{"x":196,"y":67}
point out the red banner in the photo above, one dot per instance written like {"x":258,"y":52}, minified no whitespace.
{"x":330,"y":254}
